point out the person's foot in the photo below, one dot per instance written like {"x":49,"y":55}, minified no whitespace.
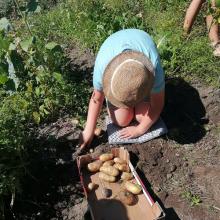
{"x":216,"y":47}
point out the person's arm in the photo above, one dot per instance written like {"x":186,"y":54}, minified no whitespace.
{"x":95,"y":106}
{"x":148,"y":117}
{"x":153,"y":113}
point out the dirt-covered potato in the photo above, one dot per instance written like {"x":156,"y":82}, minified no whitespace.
{"x":105,"y":157}
{"x":97,"y":132}
{"x":106,"y":192}
{"x":119,"y":160}
{"x":122,"y":167}
{"x":116,"y":165}
{"x":126,"y":176}
{"x":127,"y":197}
{"x":108,"y":163}
{"x":91,"y":186}
{"x":132,"y":187}
{"x":107,"y":177}
{"x":110,"y":170}
{"x":94,"y":166}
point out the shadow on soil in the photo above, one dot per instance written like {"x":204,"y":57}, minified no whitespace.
{"x":184,"y":112}
{"x":52,"y":183}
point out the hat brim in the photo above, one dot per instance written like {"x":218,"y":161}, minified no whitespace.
{"x":112,"y":66}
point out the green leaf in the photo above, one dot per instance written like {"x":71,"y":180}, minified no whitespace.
{"x":36,"y":117}
{"x":46,"y":112}
{"x":12,"y":73}
{"x":37,"y":91}
{"x":52,"y":45}
{"x":10,"y":85}
{"x":29,"y":87}
{"x":25,"y":44}
{"x":5,"y":24}
{"x":4,"y":44}
{"x":12,"y":46}
{"x":33,"y":6}
{"x":217,"y":3}
{"x":3,"y":78}
{"x":58,"y":76}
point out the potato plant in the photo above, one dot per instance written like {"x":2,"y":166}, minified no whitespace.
{"x":34,"y":87}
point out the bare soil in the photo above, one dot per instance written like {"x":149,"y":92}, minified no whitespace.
{"x":181,"y":169}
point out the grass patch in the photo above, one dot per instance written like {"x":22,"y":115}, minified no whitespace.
{"x":91,"y":22}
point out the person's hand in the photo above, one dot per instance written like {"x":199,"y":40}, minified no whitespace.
{"x":130,"y":132}
{"x":85,"y":138}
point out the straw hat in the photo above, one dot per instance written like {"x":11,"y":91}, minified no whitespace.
{"x":128,"y":79}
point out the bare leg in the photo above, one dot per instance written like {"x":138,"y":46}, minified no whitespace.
{"x":121,"y":116}
{"x":191,"y":14}
{"x":213,"y":29}
{"x":213,"y":35}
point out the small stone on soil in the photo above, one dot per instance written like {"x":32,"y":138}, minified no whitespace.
{"x":169,"y":175}
{"x":167,"y":160}
{"x":173,"y":168}
{"x":157,"y":189}
{"x":154,"y":163}
{"x":185,"y":164}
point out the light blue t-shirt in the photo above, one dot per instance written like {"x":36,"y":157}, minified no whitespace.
{"x":128,"y":39}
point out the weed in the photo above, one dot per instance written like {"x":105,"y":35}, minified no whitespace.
{"x":91,"y":22}
{"x":192,"y":198}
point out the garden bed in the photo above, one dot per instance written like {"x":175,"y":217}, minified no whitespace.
{"x":180,"y":169}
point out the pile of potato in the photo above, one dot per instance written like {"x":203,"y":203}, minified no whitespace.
{"x":110,"y":168}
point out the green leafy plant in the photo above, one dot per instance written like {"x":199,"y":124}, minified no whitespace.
{"x":214,"y":11}
{"x":34,"y":88}
{"x":194,"y":200}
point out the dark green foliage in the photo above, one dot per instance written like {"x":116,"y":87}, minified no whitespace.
{"x":5,"y":7}
{"x":34,"y":87}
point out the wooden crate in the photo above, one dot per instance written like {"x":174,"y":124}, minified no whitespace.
{"x":112,"y":208}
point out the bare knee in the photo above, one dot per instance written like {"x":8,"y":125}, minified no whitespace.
{"x":121,"y":117}
{"x":122,"y":122}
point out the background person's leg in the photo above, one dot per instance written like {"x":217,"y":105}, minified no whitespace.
{"x":213,"y":29}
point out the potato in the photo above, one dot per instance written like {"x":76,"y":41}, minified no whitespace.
{"x":110,"y":170}
{"x":116,"y":165}
{"x":107,"y":177}
{"x":97,"y":132}
{"x":119,"y":160}
{"x":127,"y":197}
{"x":106,"y":192}
{"x":108,"y":163}
{"x":91,"y":186}
{"x":94,"y":166}
{"x":133,"y":188}
{"x":126,"y":176}
{"x":105,"y":157}
{"x":122,"y":167}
